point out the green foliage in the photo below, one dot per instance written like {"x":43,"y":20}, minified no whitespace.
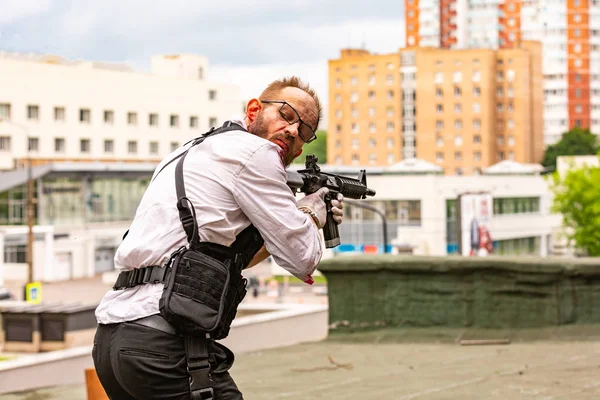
{"x":576,"y":142}
{"x":577,"y":198}
{"x":317,"y":147}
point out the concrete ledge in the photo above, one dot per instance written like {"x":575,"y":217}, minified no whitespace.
{"x":61,"y":367}
{"x":273,"y":325}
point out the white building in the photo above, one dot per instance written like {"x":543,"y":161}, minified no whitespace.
{"x":421,"y":207}
{"x":52,"y":109}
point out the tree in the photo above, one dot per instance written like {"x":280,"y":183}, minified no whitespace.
{"x":577,"y":198}
{"x":576,"y":142}
{"x":317,"y":147}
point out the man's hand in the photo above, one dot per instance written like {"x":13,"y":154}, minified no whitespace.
{"x":314,"y":205}
{"x":337,"y":208}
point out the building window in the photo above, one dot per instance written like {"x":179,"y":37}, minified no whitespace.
{"x":457,"y":76}
{"x":477,"y":156}
{"x":33,"y":144}
{"x":439,"y":141}
{"x":439,"y":124}
{"x":457,"y":155}
{"x":212,"y":122}
{"x":391,"y":158}
{"x":354,"y":158}
{"x":477,"y":124}
{"x":500,"y":107}
{"x":390,"y":111}
{"x":371,"y":80}
{"x":33,"y":113}
{"x":500,"y":155}
{"x":85,"y":115}
{"x":109,"y":146}
{"x":372,"y":143}
{"x":131,"y":118}
{"x":372,"y":128}
{"x":371,"y":95}
{"x":390,"y":127}
{"x":476,"y":76}
{"x":439,"y":92}
{"x":153,"y":119}
{"x":84,"y":145}
{"x":200,"y":73}
{"x":59,"y":145}
{"x":354,"y":113}
{"x":5,"y":110}
{"x":476,"y":91}
{"x":509,"y":107}
{"x":510,"y":123}
{"x":457,"y":108}
{"x":193,"y":122}
{"x":511,"y":140}
{"x":389,"y":79}
{"x":577,"y":93}
{"x":372,"y":158}
{"x":477,"y":139}
{"x":355,"y":143}
{"x":338,"y":83}
{"x":174,"y":146}
{"x":338,"y":128}
{"x":174,"y":120}
{"x":439,"y":108}
{"x":132,"y":147}
{"x":338,"y":114}
{"x":439,"y":77}
{"x":578,"y":108}
{"x":511,"y":155}
{"x":390,"y":143}
{"x":153,"y":148}
{"x":390,"y":95}
{"x":354,"y":80}
{"x":458,"y":141}
{"x":457,"y":91}
{"x":510,"y":75}
{"x":516,"y":205}
{"x":4,"y":143}
{"x":458,"y":124}
{"x":439,"y":157}
{"x":109,"y":117}
{"x":577,"y":32}
{"x":338,"y":98}
{"x":59,"y":113}
{"x":476,"y":108}
{"x":212,"y":94}
{"x":371,"y":111}
{"x":458,"y":171}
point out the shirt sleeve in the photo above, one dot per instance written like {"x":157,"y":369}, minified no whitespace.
{"x":261,"y":192}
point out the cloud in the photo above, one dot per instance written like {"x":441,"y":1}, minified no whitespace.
{"x":249,"y":43}
{"x":15,"y":10}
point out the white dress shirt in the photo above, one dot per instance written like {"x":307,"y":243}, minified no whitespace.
{"x":233,"y":179}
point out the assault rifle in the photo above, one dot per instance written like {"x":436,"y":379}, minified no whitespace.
{"x":311,"y":179}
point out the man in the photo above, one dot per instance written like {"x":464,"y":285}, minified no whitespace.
{"x":234,"y":179}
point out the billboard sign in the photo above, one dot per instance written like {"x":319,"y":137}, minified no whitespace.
{"x":475,"y":214}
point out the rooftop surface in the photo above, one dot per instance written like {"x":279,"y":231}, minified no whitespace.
{"x":381,"y":365}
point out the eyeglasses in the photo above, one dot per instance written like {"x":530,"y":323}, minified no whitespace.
{"x":291,"y":116}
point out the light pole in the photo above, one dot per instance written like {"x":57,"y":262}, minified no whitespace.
{"x":30,"y":203}
{"x":376,"y":211}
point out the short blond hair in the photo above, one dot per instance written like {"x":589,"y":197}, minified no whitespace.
{"x":275,"y":87}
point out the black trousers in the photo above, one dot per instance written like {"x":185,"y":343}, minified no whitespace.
{"x":134,"y":361}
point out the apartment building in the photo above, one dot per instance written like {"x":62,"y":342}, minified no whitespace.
{"x":569,"y":32}
{"x":463,"y":110}
{"x":364,"y":108}
{"x":53,"y":109}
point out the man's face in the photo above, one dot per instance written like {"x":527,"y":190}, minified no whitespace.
{"x":271,"y":125}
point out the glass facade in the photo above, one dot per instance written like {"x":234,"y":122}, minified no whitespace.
{"x":77,"y":199}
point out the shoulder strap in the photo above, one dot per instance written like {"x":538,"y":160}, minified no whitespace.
{"x":187,"y":214}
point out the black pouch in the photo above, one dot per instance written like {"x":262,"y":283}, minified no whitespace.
{"x":194,"y":298}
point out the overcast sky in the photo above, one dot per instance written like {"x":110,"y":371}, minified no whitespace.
{"x":248,"y":42}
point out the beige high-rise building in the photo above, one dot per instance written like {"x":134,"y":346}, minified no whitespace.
{"x":461,"y":109}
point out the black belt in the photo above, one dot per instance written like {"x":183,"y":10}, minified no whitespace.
{"x":140,"y":276}
{"x":157,"y":322}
